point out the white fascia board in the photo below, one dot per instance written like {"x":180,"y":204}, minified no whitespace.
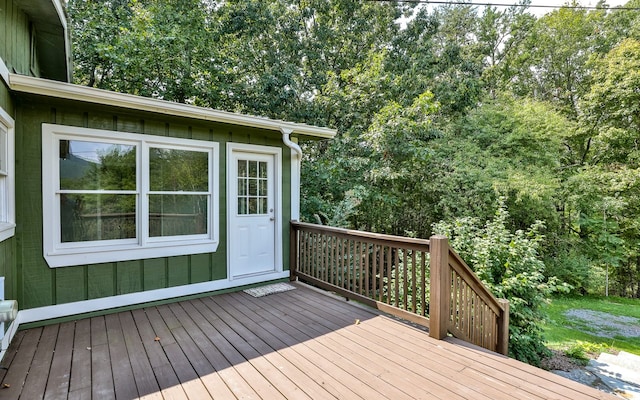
{"x":57,"y":4}
{"x":4,"y":71}
{"x":44,"y":87}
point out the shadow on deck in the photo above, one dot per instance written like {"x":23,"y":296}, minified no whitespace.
{"x":300,"y":344}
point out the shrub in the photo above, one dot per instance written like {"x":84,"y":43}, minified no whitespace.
{"x":509,"y":265}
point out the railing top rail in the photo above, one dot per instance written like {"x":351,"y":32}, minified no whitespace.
{"x":461,"y":267}
{"x":413,"y":242}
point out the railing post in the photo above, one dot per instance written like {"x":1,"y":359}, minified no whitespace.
{"x":293,"y":251}
{"x":439,"y":298}
{"x":503,"y":328}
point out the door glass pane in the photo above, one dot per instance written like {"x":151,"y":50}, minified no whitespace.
{"x":97,"y":166}
{"x":252,"y":188}
{"x":262,"y":170}
{"x":253,"y":169}
{"x":172,"y":170}
{"x":89,"y":217}
{"x":242,"y":168}
{"x":263,"y":206}
{"x":262,"y":189}
{"x":242,"y":187}
{"x":242,"y":205}
{"x":172,"y":215}
{"x":253,"y":206}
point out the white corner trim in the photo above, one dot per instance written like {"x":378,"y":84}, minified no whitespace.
{"x":4,"y":71}
{"x":61,"y":14}
{"x":106,"y":303}
{"x":70,"y":91}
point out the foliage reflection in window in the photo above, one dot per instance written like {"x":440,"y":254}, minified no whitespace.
{"x":98,"y":191}
{"x":179,"y":188}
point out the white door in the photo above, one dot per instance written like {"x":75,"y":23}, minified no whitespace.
{"x":252,"y":210}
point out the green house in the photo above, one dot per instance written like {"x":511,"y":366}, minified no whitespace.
{"x":109,"y":200}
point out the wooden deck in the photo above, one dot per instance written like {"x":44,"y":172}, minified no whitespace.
{"x":299,"y":344}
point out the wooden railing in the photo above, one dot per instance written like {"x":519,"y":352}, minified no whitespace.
{"x":423,"y":281}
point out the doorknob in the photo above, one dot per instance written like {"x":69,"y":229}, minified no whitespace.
{"x":272,"y":219}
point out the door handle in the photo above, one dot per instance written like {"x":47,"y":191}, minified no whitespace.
{"x":272,"y":219}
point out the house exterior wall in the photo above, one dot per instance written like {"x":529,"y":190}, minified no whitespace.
{"x":38,"y":285}
{"x":15,"y":48}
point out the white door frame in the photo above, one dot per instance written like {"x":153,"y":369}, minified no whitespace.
{"x":276,"y":152}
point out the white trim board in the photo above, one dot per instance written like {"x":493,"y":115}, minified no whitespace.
{"x":4,"y":71}
{"x":44,"y":87}
{"x":124,"y":300}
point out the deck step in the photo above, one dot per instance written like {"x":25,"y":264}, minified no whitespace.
{"x":620,"y":372}
{"x":624,"y":366}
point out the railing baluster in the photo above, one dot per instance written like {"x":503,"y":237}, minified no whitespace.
{"x":413,"y":281}
{"x":390,"y":272}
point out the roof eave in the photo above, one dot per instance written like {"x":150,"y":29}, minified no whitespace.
{"x":44,"y":87}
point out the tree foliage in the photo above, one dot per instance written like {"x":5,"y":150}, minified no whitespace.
{"x":509,"y":264}
{"x":439,"y":114}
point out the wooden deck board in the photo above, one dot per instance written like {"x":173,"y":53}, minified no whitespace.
{"x":299,"y":344}
{"x":58,"y":383}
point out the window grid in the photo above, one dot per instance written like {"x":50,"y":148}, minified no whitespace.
{"x":252,"y":187}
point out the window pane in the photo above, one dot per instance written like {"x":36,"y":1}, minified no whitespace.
{"x":253,"y":169}
{"x":178,"y":170}
{"x":242,"y":187}
{"x":97,"y":166}
{"x":242,"y":205}
{"x":177,"y":214}
{"x":88,"y":217}
{"x":253,"y":187}
{"x":263,"y":169}
{"x":263,"y":206}
{"x":253,"y":206}
{"x":3,"y":151}
{"x":263,"y":187}
{"x":242,"y":168}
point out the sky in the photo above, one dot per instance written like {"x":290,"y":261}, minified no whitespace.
{"x":588,"y":3}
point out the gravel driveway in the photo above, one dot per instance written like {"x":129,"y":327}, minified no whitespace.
{"x":603,"y":324}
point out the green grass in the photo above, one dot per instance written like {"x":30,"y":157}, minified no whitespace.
{"x":562,"y":333}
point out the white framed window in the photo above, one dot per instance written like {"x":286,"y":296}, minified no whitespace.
{"x":7,"y":177}
{"x":114,"y":196}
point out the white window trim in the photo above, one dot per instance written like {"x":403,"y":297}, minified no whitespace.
{"x":59,"y":254}
{"x":8,"y":193}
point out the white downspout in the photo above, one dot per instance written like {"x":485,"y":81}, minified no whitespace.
{"x":296,"y":161}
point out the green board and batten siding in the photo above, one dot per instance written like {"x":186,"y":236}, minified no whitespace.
{"x":15,"y":49}
{"x":15,"y":52}
{"x":37,"y":284}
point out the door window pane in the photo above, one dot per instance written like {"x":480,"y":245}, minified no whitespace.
{"x":252,"y":192}
{"x":89,"y":217}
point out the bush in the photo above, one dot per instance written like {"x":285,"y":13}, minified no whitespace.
{"x":509,"y":265}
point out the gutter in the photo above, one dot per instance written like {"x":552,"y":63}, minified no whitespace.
{"x":68,"y":91}
{"x":296,"y":164}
